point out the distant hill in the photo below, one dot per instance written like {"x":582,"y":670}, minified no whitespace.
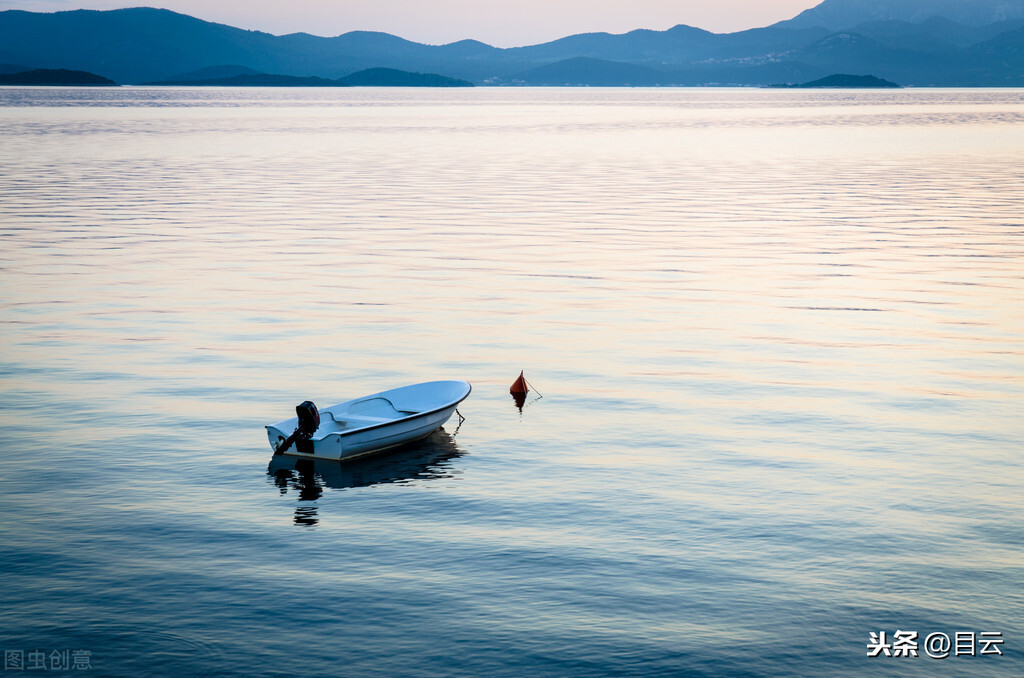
{"x":372,"y":77}
{"x":840,"y":52}
{"x":639,"y":46}
{"x":936,"y":35}
{"x":913,"y":42}
{"x":55,"y":77}
{"x":843,"y":14}
{"x":130,"y":45}
{"x":842,"y":81}
{"x":1006,"y":50}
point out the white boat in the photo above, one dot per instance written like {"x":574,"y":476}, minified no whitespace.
{"x":370,"y":424}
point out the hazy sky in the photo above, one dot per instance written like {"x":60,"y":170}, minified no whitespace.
{"x":502,"y":23}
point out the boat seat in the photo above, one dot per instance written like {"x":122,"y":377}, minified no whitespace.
{"x":346,"y":420}
{"x":377,"y":410}
{"x":363,"y":419}
{"x":376,"y":407}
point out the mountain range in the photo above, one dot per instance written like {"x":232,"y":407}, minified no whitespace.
{"x":912,"y":42}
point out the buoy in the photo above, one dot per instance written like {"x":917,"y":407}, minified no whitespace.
{"x":519,"y":386}
{"x":519,"y":390}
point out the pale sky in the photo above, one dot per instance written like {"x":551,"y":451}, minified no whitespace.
{"x":502,"y":23}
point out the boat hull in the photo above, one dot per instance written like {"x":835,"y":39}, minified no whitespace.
{"x":347,"y":433}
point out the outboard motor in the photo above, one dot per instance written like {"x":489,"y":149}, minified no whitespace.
{"x":309,"y":422}
{"x":309,"y":419}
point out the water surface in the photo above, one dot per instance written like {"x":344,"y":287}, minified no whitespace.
{"x":777,"y":335}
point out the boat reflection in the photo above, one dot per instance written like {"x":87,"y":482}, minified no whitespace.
{"x":428,"y":459}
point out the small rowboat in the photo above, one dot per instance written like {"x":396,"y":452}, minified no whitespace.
{"x":370,"y":424}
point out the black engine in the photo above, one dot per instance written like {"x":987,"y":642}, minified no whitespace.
{"x":309,"y":422}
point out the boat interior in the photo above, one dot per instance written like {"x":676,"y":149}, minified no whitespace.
{"x":366,"y":412}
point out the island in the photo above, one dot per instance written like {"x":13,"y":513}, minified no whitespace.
{"x":843,"y":81}
{"x":55,"y":77}
{"x":392,"y":77}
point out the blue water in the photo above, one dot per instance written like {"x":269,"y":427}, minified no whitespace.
{"x":775,"y":340}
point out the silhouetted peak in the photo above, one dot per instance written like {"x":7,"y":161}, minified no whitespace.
{"x":468,"y":48}
{"x":680,"y":29}
{"x":375,"y":37}
{"x":466,"y":43}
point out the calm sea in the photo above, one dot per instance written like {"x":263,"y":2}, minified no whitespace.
{"x":775,"y":339}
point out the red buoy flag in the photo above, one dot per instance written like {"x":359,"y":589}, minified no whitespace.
{"x":519,"y":386}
